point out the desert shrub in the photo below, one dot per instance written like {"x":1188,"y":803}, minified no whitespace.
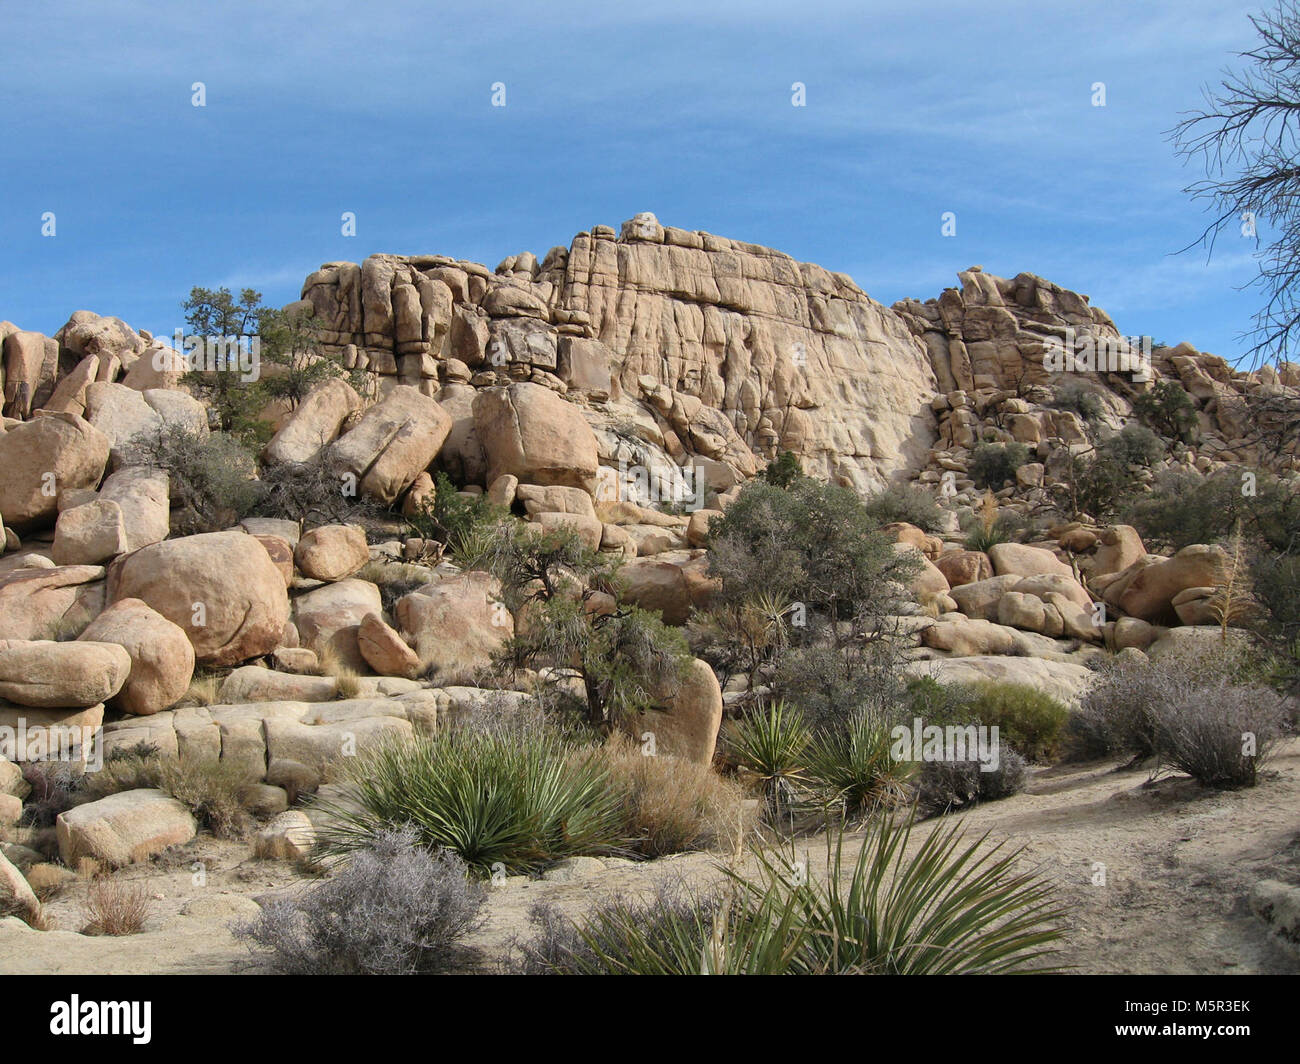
{"x":125,"y":769}
{"x":625,"y":659}
{"x":671,"y":805}
{"x":212,"y":478}
{"x":852,"y":766}
{"x":1188,"y":709}
{"x":1276,"y":583}
{"x":829,"y":684}
{"x":463,"y":525}
{"x":1169,"y":410}
{"x":991,"y":526}
{"x":944,"y":786}
{"x":1030,"y":720}
{"x":395,"y":908}
{"x":814,"y":543}
{"x":946,"y":907}
{"x":212,"y":791}
{"x":481,"y":795}
{"x":1076,"y":396}
{"x":784,"y":470}
{"x":936,"y":702}
{"x":994,"y":465}
{"x":907,"y":502}
{"x":1184,"y":507}
{"x":55,"y":788}
{"x":315,"y":493}
{"x":1134,"y":444}
{"x":771,"y":745}
{"x":113,"y":907}
{"x":1219,"y":733}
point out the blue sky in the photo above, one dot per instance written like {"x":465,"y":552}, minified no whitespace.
{"x":681,"y":108}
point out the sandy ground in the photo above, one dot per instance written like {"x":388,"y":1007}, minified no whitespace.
{"x":1179,"y":862}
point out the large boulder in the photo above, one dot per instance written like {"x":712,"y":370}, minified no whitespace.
{"x":331,"y":552}
{"x":31,"y":734}
{"x":685,"y":724}
{"x":315,"y":423}
{"x":658,"y":585}
{"x":1062,"y":680}
{"x":91,"y":533}
{"x":456,"y":624}
{"x":53,"y":675}
{"x":967,"y":638}
{"x":143,"y":494}
{"x":529,"y":432}
{"x":123,"y":828}
{"x":384,"y":649}
{"x":1020,"y":559}
{"x":42,"y":603}
{"x":964,"y":566}
{"x":393,"y":443}
{"x":1150,"y":594}
{"x":980,"y":599}
{"x":41,"y":458}
{"x":16,"y":894}
{"x":328,"y":618}
{"x":162,"y":658}
{"x":1119,"y":547}
{"x":222,"y":588}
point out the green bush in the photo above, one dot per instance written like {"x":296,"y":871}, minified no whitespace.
{"x":771,"y":744}
{"x":784,"y":470}
{"x":1030,"y":721}
{"x":1169,"y":410}
{"x":484,"y":795}
{"x":852,"y":767}
{"x":1076,"y":396}
{"x":910,"y":503}
{"x":466,"y":526}
{"x":994,"y":465}
{"x":981,"y":535}
{"x":1134,"y":444}
{"x":1184,"y":507}
{"x":213,"y":478}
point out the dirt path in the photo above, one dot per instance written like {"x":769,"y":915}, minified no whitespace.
{"x":1178,"y":861}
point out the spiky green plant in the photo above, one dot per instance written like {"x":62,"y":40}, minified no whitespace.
{"x":948,"y":908}
{"x":851,"y":766}
{"x":488,"y":797}
{"x":771,"y":743}
{"x":951,"y":908}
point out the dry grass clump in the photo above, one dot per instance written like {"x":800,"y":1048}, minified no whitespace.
{"x":204,"y":690}
{"x":671,"y":805}
{"x":347,"y":681}
{"x":115,"y":908}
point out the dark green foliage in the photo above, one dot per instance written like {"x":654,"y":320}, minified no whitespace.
{"x":1184,"y":507}
{"x":1169,"y":410}
{"x":1135,"y":445}
{"x":483,"y":794}
{"x":939,"y":907}
{"x":994,"y":465}
{"x":1026,"y":718}
{"x":946,"y":786}
{"x":814,"y":543}
{"x":625,"y":659}
{"x":783,"y":470}
{"x":464,"y":525}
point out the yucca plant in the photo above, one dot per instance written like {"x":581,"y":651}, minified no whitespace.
{"x":949,"y":908}
{"x":771,"y":743}
{"x":852,"y":768}
{"x":485,"y":796}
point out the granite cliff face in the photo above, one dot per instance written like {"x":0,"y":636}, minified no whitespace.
{"x":729,"y":351}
